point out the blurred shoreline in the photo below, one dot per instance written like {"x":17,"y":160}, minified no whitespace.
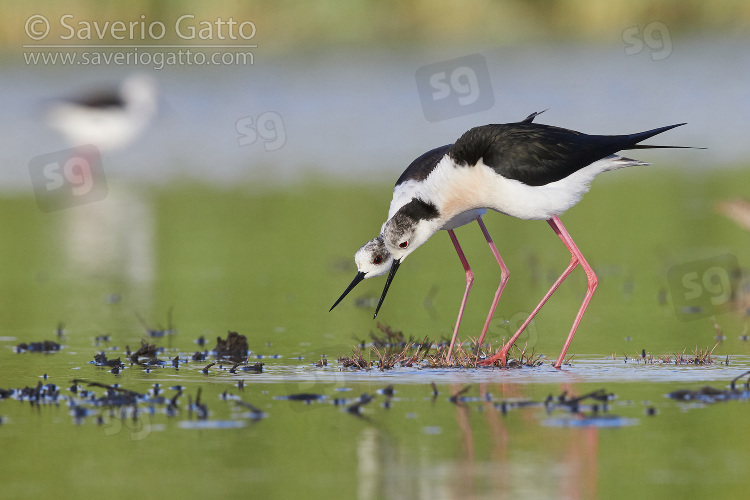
{"x":290,"y":26}
{"x":356,"y":113}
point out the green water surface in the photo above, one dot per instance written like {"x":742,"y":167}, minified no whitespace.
{"x":268,"y":262}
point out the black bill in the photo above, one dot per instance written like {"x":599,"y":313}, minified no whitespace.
{"x":359,"y":277}
{"x":394,"y":268}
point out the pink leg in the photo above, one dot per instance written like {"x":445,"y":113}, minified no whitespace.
{"x":504,"y":275}
{"x":591,"y":278}
{"x":576,"y":257}
{"x":469,"y":281}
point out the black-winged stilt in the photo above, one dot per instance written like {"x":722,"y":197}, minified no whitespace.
{"x":526,"y":170}
{"x":108,"y":119}
{"x":373,"y":258}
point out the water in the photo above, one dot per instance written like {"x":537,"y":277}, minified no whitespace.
{"x":247,"y":276}
{"x":416,"y":446}
{"x":198,"y":225}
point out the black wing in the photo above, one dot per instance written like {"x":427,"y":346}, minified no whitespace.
{"x":100,"y":100}
{"x":421,"y":168}
{"x":538,"y":154}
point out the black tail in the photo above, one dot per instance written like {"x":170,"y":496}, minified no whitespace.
{"x":537,"y":154}
{"x":648,"y":146}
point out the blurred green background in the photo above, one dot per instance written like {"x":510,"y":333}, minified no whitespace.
{"x":290,"y":25}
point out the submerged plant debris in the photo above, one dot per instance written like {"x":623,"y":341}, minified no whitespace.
{"x":356,"y":408}
{"x":305,"y":397}
{"x":109,"y":405}
{"x":159,"y":331}
{"x":45,"y":346}
{"x":709,"y":394}
{"x":588,"y":410}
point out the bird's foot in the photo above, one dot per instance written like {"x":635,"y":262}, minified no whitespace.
{"x":501,"y":356}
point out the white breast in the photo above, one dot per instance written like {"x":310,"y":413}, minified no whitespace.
{"x":406,"y":191}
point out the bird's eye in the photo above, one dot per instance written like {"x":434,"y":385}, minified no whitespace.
{"x":378,"y":259}
{"x":403,"y":244}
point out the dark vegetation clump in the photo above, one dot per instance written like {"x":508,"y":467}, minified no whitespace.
{"x":699,"y":357}
{"x":101,"y":360}
{"x":391,"y":350}
{"x":235,"y":347}
{"x":254,"y":368}
{"x":147,"y":354}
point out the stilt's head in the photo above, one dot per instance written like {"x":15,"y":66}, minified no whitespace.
{"x":372,"y":260}
{"x":409,"y":228}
